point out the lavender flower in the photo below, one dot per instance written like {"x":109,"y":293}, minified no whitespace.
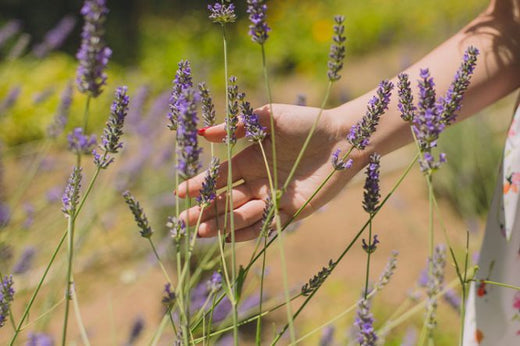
{"x":9,"y":29}
{"x":254,"y":131}
{"x":39,"y":339}
{"x":452,"y":102}
{"x":62,"y":114}
{"x":9,"y":101}
{"x":6,"y":298}
{"x":371,"y":193}
{"x":93,"y":54}
{"x":435,"y":284}
{"x":5,"y":214}
{"x":388,"y":272}
{"x":169,"y":296}
{"x":267,"y":219}
{"x":365,"y":322}
{"x":79,"y":143}
{"x":327,"y":336}
{"x":177,"y":227}
{"x":70,"y":198}
{"x":427,"y":124}
{"x":359,"y":134}
{"x":222,"y":13}
{"x":453,"y":299}
{"x":371,"y":246}
{"x":181,"y":83}
{"x":188,"y":150}
{"x":222,"y":310}
{"x":214,"y":284}
{"x":208,"y":108}
{"x":259,"y":29}
{"x":139,"y":215}
{"x":340,"y":163}
{"x":55,"y":38}
{"x":317,"y":280}
{"x":405,"y":104}
{"x":25,"y":261}
{"x":233,"y":108}
{"x":110,"y":140}
{"x":136,"y":330}
{"x":208,"y":191}
{"x":337,"y":49}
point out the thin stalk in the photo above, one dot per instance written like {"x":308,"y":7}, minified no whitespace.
{"x":156,"y":254}
{"x":258,"y":336}
{"x":70,"y":283}
{"x":37,"y":290}
{"x":46,"y":313}
{"x":308,"y":139}
{"x":81,"y":326}
{"x":85,"y":114}
{"x":365,"y":294}
{"x":464,"y":291}
{"x":185,"y":269}
{"x":500,"y":284}
{"x":159,"y":331}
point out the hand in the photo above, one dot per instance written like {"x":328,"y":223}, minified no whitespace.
{"x":292,"y":124}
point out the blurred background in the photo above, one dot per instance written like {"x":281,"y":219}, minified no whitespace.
{"x":148,"y":38}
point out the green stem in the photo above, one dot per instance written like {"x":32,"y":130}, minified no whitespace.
{"x":85,"y":114}
{"x":81,"y":326}
{"x":365,"y":294}
{"x":500,"y":284}
{"x":156,"y":254}
{"x":70,"y":283}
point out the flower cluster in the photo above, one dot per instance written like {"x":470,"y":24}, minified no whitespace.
{"x":233,"y":109}
{"x":208,"y":108}
{"x":435,"y":283}
{"x":340,"y":163}
{"x":359,"y":134}
{"x":188,"y":150}
{"x":208,"y":191}
{"x":55,"y":38}
{"x":267,"y":216}
{"x":388,"y":272}
{"x":258,"y":30}
{"x":79,"y":143}
{"x":371,"y":193}
{"x":365,"y":322}
{"x":222,"y":13}
{"x":337,"y":49}
{"x":371,"y":246}
{"x":452,"y":101}
{"x":6,"y":298}
{"x":110,"y":140}
{"x":169,"y":296}
{"x":214,"y":284}
{"x":254,"y":131}
{"x":176,"y":226}
{"x":405,"y":104}
{"x":70,"y":197}
{"x":93,"y":54}
{"x":139,"y":215}
{"x":62,"y":114}
{"x":317,"y":280}
{"x":181,"y":83}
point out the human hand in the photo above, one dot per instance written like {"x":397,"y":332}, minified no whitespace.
{"x":292,"y":124}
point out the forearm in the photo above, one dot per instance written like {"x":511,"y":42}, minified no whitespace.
{"x":496,"y":33}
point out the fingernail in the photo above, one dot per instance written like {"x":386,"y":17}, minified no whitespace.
{"x":201,"y":131}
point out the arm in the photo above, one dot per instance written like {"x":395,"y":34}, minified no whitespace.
{"x":496,"y":33}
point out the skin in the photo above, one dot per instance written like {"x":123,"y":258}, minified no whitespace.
{"x":495,"y":32}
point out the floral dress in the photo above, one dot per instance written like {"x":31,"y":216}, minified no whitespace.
{"x":493,"y":312}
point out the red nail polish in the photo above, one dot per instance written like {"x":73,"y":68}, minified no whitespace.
{"x":201,"y":131}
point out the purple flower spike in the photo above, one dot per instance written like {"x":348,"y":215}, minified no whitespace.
{"x":371,"y":193}
{"x":25,"y":261}
{"x":405,"y":104}
{"x":208,"y":108}
{"x":365,"y":322}
{"x":453,"y":299}
{"x":136,"y":330}
{"x":62,"y":114}
{"x":258,"y":30}
{"x":139,"y":215}
{"x":93,"y":54}
{"x":169,"y":295}
{"x":208,"y":191}
{"x":327,"y":336}
{"x":188,"y":150}
{"x":452,"y":102}
{"x":181,"y":83}
{"x":359,"y":134}
{"x":337,"y":49}
{"x":78,"y":143}
{"x":233,"y":109}
{"x":214,"y":284}
{"x":55,"y":38}
{"x":177,"y":227}
{"x":70,"y":197}
{"x":6,"y":298}
{"x":435,"y":283}
{"x":39,"y":339}
{"x":222,"y":13}
{"x":340,"y":163}
{"x":254,"y":131}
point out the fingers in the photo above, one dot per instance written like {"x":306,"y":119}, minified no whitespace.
{"x":217,"y":133}
{"x":240,"y":195}
{"x":243,"y":216}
